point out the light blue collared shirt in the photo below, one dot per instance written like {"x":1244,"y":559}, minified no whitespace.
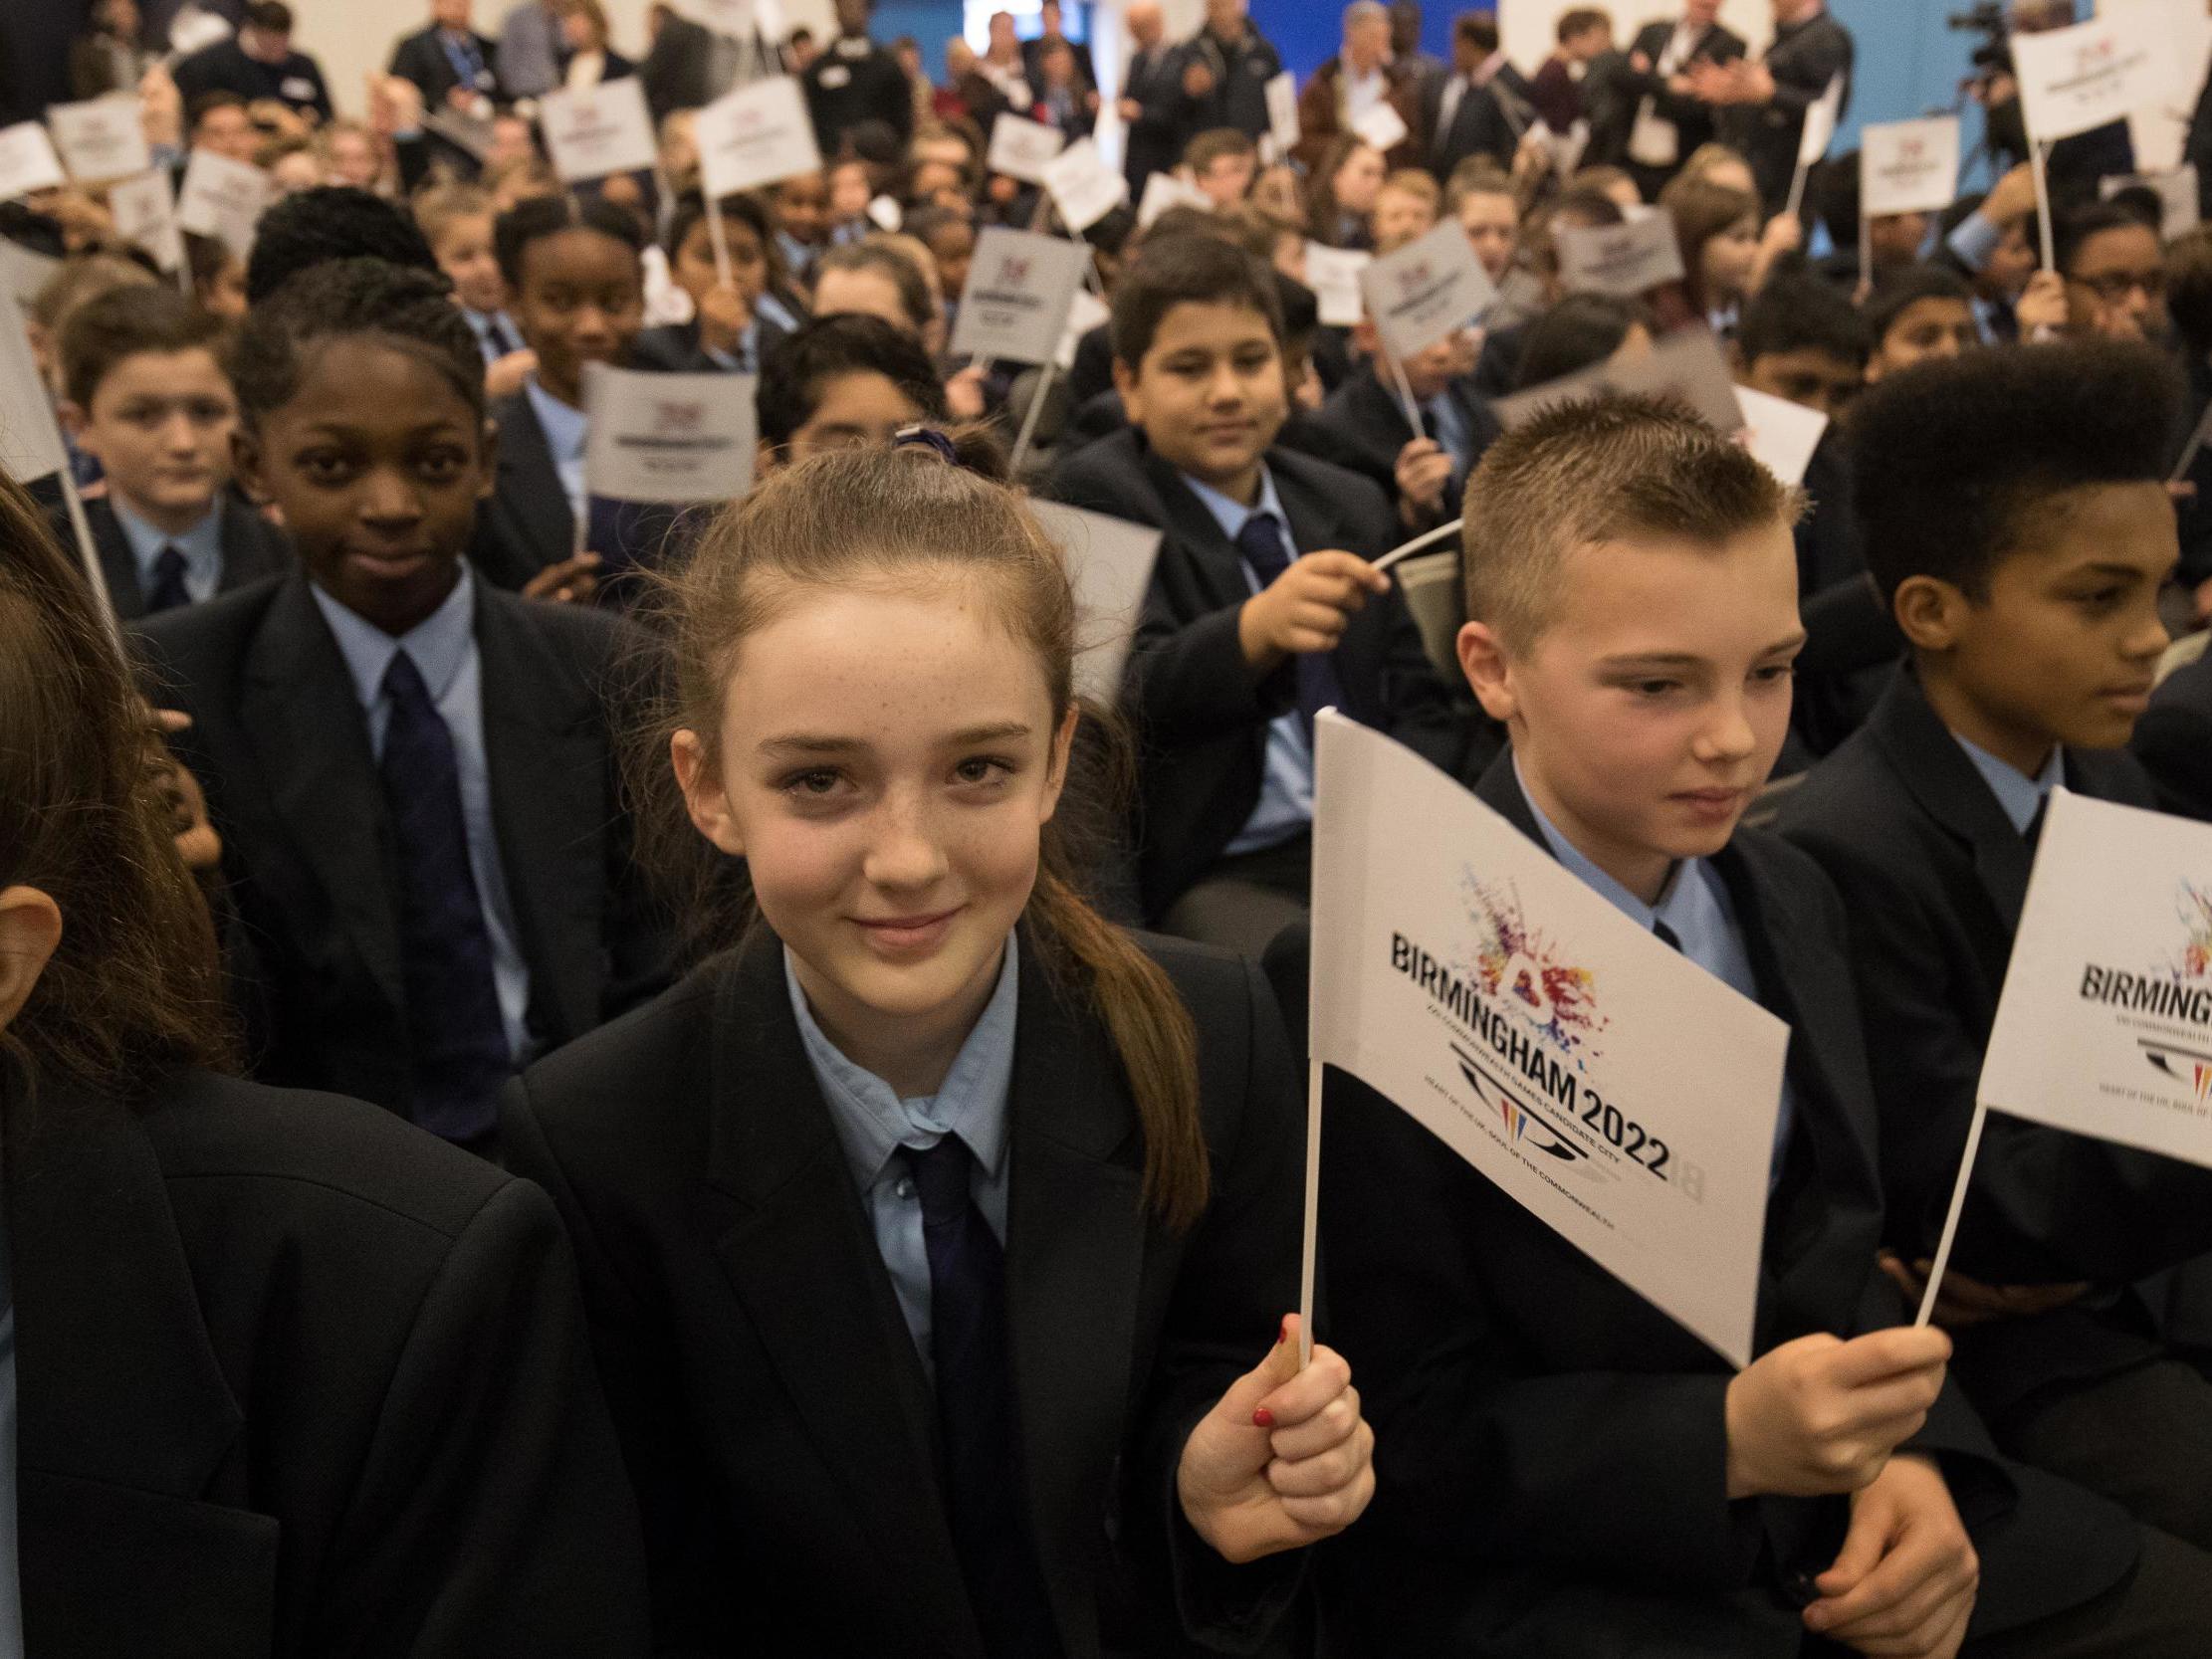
{"x":201,"y":545}
{"x":2019,"y":794}
{"x":1286,"y":774}
{"x":872,"y":1124}
{"x":1694,"y":906}
{"x":566,"y":430}
{"x":1448,"y":424}
{"x":1974,"y":240}
{"x":771,"y":310}
{"x":443,"y":647}
{"x":745,"y":360}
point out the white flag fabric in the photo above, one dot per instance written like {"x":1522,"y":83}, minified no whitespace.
{"x":30,"y":441}
{"x":2104,"y":1026}
{"x":1109,"y":565}
{"x":1909,"y":166}
{"x":1821,"y":117}
{"x":1687,"y":366}
{"x":2076,"y":78}
{"x":2176,"y":191}
{"x":1782,"y":434}
{"x":1334,"y":276}
{"x":222,"y":198}
{"x":592,"y":132}
{"x":1382,"y":127}
{"x":1084,"y":313}
{"x":1426,"y":289}
{"x":146,"y":215}
{"x":1164,"y":190}
{"x":1282,"y":112}
{"x":101,"y":139}
{"x":1083,"y":187}
{"x":1020,"y":288}
{"x":1019,"y":148}
{"x":674,"y":438}
{"x":28,"y":161}
{"x":758,"y":135}
{"x":1621,"y":260}
{"x":1617,"y":1091}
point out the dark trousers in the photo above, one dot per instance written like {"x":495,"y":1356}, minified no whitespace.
{"x":1243,"y":902}
{"x":2163,"y":1611}
{"x":2141,"y":1437}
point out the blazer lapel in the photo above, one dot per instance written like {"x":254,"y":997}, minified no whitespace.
{"x":548,"y":771}
{"x":301,"y":713}
{"x":1220,"y":567}
{"x":1075,"y":1248}
{"x":530,"y":484}
{"x":117,"y":561}
{"x":1937,"y":774}
{"x":252,"y":548}
{"x":799,"y":1253}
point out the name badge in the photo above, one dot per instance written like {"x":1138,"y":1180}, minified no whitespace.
{"x":296,"y":87}
{"x":836,"y":76}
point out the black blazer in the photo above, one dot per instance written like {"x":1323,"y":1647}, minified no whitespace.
{"x":297,"y":1379}
{"x":278,"y":741}
{"x":1935,"y":876}
{"x":421,"y":58}
{"x":1549,"y":1447}
{"x":1803,"y":58}
{"x":1165,"y":115}
{"x":1364,"y":426}
{"x":777,"y":1420}
{"x":1201,"y":720}
{"x":1479,"y":126}
{"x":673,"y":348}
{"x":253,"y":548}
{"x":2173,"y":740}
{"x":1694,"y":120}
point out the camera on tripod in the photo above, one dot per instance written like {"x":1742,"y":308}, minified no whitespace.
{"x":1994,"y":53}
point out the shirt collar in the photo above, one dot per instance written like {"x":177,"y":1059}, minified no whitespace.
{"x":1231,"y":514}
{"x":567,"y":429}
{"x":439,"y":644}
{"x":201,"y":545}
{"x":2019,"y":794}
{"x":873,"y":1122}
{"x":1611,"y":891}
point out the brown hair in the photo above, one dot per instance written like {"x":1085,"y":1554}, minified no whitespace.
{"x":1702,"y":211}
{"x":1322,"y":212}
{"x":1477,"y":175}
{"x":1213,"y":143}
{"x":828,"y":523}
{"x":124,"y":323}
{"x":437,"y":205}
{"x":1598,"y":470}
{"x":133,"y":991}
{"x":2189,"y":286}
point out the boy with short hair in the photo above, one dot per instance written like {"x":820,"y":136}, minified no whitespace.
{"x":1364,"y":426}
{"x":1405,"y":209}
{"x":1917,"y":314}
{"x":1562,"y":1469}
{"x":1265,"y":607}
{"x":1800,"y":340}
{"x":2019,"y":537}
{"x":1222,"y":162}
{"x":455,"y":220}
{"x":842,"y":381}
{"x":149,"y":398}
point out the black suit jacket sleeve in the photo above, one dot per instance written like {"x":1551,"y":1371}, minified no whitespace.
{"x":2173,"y":740}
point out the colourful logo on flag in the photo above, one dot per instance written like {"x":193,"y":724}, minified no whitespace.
{"x":1518,"y":965}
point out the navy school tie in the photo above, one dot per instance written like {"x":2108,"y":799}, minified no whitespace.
{"x":978,"y":1424}
{"x":457,"y":1040}
{"x":169,"y":583}
{"x":1261,"y":545}
{"x":1666,"y":935}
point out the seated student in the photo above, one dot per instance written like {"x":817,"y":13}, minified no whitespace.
{"x":2002,"y":265}
{"x":1497,"y":370}
{"x":2019,"y":537}
{"x":218,"y":276}
{"x":951,"y":241}
{"x":276,"y":1371}
{"x":876,"y":280}
{"x":1718,"y":230}
{"x":1263,"y":606}
{"x":932,"y":1226}
{"x":1561,"y":1469}
{"x":412,"y":771}
{"x":1580,"y":331}
{"x":1480,"y":195}
{"x":332,"y":221}
{"x":1894,"y":240}
{"x":1915,"y":313}
{"x":726,"y":331}
{"x":149,"y":401}
{"x":457,"y":220}
{"x":1341,"y":194}
{"x":1367,"y":429}
{"x":1405,"y":209}
{"x":1222,"y":162}
{"x":841,"y":382}
{"x":798,"y":207}
{"x":2114,"y":273}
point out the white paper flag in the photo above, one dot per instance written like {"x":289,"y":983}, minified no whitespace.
{"x":1084,"y":188}
{"x":222,"y":198}
{"x":30,"y":442}
{"x":1109,"y":565}
{"x":2178,"y":197}
{"x":1782,"y":434}
{"x":1617,"y":1091}
{"x":1165,"y":190}
{"x":2104,"y":1026}
{"x":673,"y":438}
{"x":1086,"y":312}
{"x":101,"y":139}
{"x":592,"y":131}
{"x":2076,"y":78}
{"x":1382,"y":127}
{"x":1687,"y":366}
{"x":1621,"y":260}
{"x":1821,"y":117}
{"x":1909,"y":166}
{"x":1334,"y":276}
{"x":1282,"y":112}
{"x":1425,"y":291}
{"x":885,"y":213}
{"x":27,"y":161}
{"x":1019,"y":148}
{"x":756,"y":135}
{"x":1020,"y":288}
{"x":146,"y":214}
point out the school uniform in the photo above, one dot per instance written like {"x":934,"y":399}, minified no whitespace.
{"x":1364,"y":426}
{"x":1225,"y":761}
{"x":1550,"y":1449}
{"x":149,"y":571}
{"x":1930,"y":845}
{"x":762,"y":1314}
{"x":289,"y":1378}
{"x":2173,"y":740}
{"x":674,"y":348}
{"x":317,"y":750}
{"x":497,"y":335}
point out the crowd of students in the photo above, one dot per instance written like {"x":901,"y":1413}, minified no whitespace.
{"x":586,"y":1078}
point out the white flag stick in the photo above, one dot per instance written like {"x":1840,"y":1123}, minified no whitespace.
{"x":1405,"y":395}
{"x":89,"y":553}
{"x":1030,"y":415}
{"x":1797,"y":188}
{"x":1313,"y":1214}
{"x":2189,"y":451}
{"x":721,"y":239}
{"x":1950,"y":1222}
{"x":1427,"y":538}
{"x":2043,"y":203}
{"x":1866,"y":252}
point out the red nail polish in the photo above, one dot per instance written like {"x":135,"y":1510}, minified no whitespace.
{"x":1263,"y":1418}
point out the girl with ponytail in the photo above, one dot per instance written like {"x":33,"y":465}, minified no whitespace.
{"x":932,"y":1230}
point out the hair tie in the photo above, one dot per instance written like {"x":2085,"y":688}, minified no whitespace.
{"x":919,"y":436}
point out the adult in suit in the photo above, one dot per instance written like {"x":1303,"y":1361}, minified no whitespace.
{"x":1543,"y":1432}
{"x":449,"y":61}
{"x":1155,"y":109}
{"x":1360,"y":78}
{"x":855,"y":82}
{"x":256,"y":62}
{"x":1666,"y":121}
{"x":280,"y":1375}
{"x":1227,"y":66}
{"x":531,"y":51}
{"x":251,"y":548}
{"x":1766,"y":101}
{"x":1464,"y":113}
{"x":1050,"y":33}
